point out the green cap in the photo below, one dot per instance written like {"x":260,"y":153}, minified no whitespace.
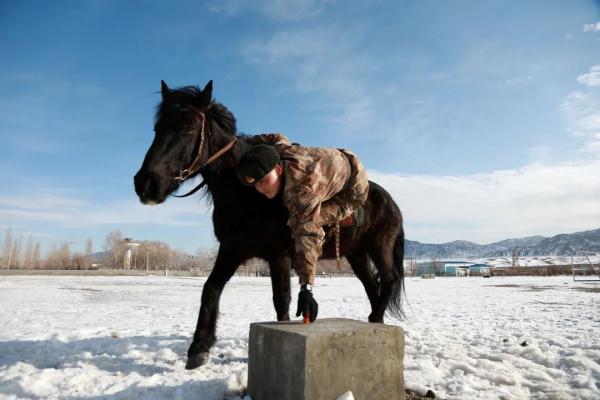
{"x":257,"y":163}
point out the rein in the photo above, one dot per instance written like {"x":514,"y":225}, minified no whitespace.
{"x":193,"y":167}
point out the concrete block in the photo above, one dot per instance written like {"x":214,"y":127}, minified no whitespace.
{"x":323,"y":360}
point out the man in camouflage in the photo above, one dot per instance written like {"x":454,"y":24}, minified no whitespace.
{"x":319,"y":187}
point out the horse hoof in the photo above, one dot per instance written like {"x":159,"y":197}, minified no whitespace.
{"x":375,"y":319}
{"x":196,"y":360}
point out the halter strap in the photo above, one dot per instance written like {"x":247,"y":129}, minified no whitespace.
{"x":191,"y":192}
{"x":191,"y":169}
{"x":194,"y":167}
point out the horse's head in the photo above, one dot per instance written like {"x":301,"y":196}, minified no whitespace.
{"x":183,"y":138}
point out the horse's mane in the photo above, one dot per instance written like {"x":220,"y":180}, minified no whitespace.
{"x":180,"y":98}
{"x":223,"y":117}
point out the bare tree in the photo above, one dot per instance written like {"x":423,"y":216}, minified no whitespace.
{"x":205,"y":260}
{"x":410,"y":267}
{"x":52,"y":259}
{"x":89,"y":250}
{"x":79,"y":261}
{"x":157,"y":255}
{"x":438,"y":266}
{"x":64,"y":255}
{"x":330,"y":267}
{"x":59,"y":257}
{"x":257,"y":267}
{"x":114,"y":248}
{"x":89,"y":247}
{"x":17,"y":252}
{"x":36,"y":260}
{"x":184,"y":261}
{"x":28,"y":258}
{"x":162,"y":255}
{"x":516,"y":253}
{"x":7,"y":248}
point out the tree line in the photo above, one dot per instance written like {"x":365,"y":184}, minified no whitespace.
{"x":20,"y":252}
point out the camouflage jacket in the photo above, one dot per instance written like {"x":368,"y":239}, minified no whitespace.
{"x":322,"y":186}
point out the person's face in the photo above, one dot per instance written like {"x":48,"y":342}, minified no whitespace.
{"x":270,"y":183}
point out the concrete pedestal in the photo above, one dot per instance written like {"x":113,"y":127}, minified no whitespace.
{"x":323,"y":360}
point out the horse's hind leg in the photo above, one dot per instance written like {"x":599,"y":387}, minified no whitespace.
{"x":382,"y":254}
{"x":280,"y":282}
{"x":359,"y":261}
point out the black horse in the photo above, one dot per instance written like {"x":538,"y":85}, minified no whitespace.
{"x":196,"y":135}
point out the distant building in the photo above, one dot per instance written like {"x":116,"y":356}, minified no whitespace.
{"x":450,"y":268}
{"x":503,"y":266}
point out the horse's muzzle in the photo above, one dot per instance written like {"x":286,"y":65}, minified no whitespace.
{"x":148,"y":189}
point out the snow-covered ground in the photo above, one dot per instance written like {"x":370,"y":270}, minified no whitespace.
{"x":541,"y":261}
{"x":126,"y":337}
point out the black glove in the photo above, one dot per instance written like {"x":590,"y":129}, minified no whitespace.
{"x":307,"y":305}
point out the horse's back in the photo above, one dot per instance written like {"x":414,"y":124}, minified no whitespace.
{"x":381,"y":204}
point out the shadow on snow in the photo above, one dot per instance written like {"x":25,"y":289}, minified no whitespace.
{"x":143,"y":355}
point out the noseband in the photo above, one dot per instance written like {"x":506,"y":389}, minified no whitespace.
{"x":195,"y":166}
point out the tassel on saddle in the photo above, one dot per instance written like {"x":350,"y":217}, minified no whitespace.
{"x":354,"y":220}
{"x":347,"y":222}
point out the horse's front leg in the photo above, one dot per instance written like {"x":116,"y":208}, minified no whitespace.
{"x":227,"y":262}
{"x":280,"y":281}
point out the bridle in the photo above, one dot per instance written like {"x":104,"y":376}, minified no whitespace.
{"x":195,"y":165}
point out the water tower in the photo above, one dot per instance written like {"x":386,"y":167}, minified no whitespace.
{"x":129,"y":244}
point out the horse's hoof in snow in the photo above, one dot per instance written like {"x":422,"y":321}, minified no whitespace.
{"x":374,"y":318}
{"x":196,"y":360}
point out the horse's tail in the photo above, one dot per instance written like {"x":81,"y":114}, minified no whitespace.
{"x":395,"y":304}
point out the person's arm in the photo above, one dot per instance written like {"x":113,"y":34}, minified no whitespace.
{"x":272,"y":139}
{"x":304,"y":208}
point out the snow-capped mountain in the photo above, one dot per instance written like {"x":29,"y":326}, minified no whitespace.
{"x":578,"y":243}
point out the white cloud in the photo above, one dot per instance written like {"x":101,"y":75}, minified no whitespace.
{"x":583,"y":114}
{"x":327,"y":61}
{"x":291,"y":10}
{"x":73,"y":212}
{"x":589,"y":124}
{"x":289,"y":46}
{"x":20,"y":214}
{"x":44,"y":201}
{"x":533,"y":200}
{"x":592,"y":78}
{"x":518,"y":80}
{"x":539,"y":198}
{"x":542,"y":155}
{"x":576,"y":103}
{"x":20,"y":231}
{"x":542,"y":197}
{"x":591,"y":27}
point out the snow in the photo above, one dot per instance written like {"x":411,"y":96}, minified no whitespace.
{"x":126,"y":337}
{"x":346,"y":396}
{"x":539,"y":261}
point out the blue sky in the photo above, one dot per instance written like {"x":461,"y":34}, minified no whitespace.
{"x":481,"y":118}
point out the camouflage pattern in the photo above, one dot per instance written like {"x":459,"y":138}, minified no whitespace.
{"x":322,"y":187}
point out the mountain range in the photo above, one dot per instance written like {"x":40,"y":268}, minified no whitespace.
{"x":578,"y":243}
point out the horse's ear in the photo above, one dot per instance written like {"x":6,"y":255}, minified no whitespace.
{"x":206,"y":95}
{"x":164,"y":89}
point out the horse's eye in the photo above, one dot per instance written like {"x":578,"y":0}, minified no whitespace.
{"x":189,"y":132}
